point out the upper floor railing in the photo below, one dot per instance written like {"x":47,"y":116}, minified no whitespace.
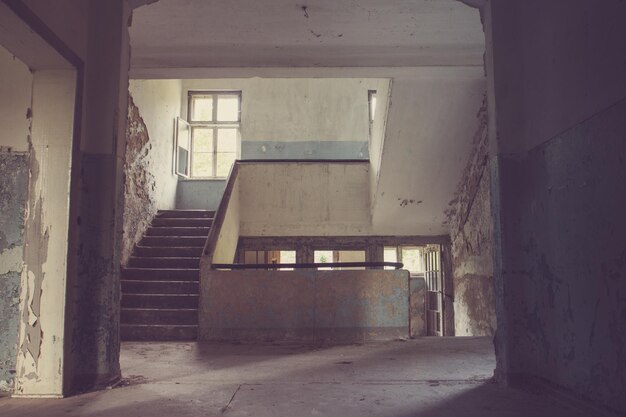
{"x":318,"y":265}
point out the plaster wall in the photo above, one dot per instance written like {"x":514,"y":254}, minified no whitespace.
{"x":558,"y":182}
{"x":150,"y":183}
{"x":315,"y":118}
{"x":304,"y":199}
{"x":304,"y":305}
{"x":15,"y":101}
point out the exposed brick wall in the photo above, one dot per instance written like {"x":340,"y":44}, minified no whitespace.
{"x":139,"y":205}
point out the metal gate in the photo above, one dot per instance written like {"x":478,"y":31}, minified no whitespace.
{"x":434,"y":290}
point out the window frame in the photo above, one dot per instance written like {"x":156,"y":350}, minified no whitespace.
{"x":215,"y":125}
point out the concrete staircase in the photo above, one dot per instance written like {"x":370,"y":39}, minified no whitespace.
{"x":160,"y":282}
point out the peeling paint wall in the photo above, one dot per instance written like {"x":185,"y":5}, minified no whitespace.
{"x":13,"y":193}
{"x":44,"y":276}
{"x":15,"y":101}
{"x":470,"y":222}
{"x":149,"y":181}
{"x":139,"y":204}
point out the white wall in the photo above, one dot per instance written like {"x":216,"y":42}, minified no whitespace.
{"x":314,"y":199}
{"x":159,"y":104}
{"x":296,"y":118}
{"x":15,"y":99}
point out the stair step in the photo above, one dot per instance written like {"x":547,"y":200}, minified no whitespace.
{"x":167,"y":252}
{"x":187,"y":316}
{"x":190,"y":214}
{"x":140,"y":262}
{"x":177,"y":231}
{"x":171,"y":241}
{"x":158,"y":332}
{"x":181,"y":222}
{"x":159,"y":300}
{"x":159,"y":287}
{"x":160,"y":274}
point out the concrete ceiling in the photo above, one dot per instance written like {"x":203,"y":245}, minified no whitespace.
{"x":18,"y":38}
{"x":430,"y":126}
{"x":324,"y":33}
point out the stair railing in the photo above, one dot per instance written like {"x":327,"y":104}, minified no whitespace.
{"x":317,"y":265}
{"x":220,"y":214}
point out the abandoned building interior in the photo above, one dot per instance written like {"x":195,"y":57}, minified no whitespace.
{"x":275,"y":208}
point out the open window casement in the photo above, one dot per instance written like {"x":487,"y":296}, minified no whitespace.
{"x":182,"y":148}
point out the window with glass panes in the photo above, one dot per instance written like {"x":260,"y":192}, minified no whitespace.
{"x":214,"y":117}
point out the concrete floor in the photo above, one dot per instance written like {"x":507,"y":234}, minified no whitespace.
{"x":429,"y":377}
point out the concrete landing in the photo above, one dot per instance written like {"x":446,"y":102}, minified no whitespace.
{"x":428,"y":377}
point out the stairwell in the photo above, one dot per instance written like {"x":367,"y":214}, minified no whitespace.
{"x":160,"y":282}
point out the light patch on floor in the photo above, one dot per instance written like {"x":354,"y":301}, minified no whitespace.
{"x":427,"y":377}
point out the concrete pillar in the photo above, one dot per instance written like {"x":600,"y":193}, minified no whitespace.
{"x":94,"y":294}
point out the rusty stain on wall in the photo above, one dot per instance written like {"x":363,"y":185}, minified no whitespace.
{"x":469,"y":220}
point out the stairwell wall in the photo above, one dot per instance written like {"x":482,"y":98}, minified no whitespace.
{"x":150,"y":183}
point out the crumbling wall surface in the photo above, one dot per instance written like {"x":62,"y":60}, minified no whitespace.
{"x":139,"y":182}
{"x":566,"y":275}
{"x":470,"y":222}
{"x":13,"y":194}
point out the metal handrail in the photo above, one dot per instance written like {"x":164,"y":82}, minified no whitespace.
{"x":396,"y":265}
